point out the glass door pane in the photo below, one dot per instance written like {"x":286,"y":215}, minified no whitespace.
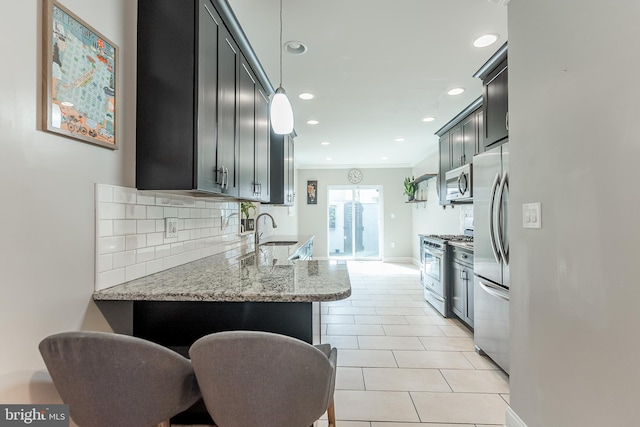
{"x":354,"y":222}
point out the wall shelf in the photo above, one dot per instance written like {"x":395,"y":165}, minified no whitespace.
{"x":424,"y":177}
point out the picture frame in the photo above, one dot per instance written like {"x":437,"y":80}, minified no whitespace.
{"x":312,"y":192}
{"x":79,"y":79}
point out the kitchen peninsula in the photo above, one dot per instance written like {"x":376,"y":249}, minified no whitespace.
{"x":270,"y":289}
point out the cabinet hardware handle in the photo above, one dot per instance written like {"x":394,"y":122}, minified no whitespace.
{"x":506,"y":120}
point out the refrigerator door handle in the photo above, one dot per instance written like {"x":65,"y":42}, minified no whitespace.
{"x":492,"y":290}
{"x":504,"y":186}
{"x":492,"y":208}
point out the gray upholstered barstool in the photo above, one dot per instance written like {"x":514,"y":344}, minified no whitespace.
{"x":116,"y":380}
{"x":262,"y":379}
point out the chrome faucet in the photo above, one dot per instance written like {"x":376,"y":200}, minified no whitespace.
{"x":257,"y":234}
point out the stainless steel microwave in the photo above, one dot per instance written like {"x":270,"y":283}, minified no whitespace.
{"x":459,"y":184}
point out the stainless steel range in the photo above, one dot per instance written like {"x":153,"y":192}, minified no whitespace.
{"x":433,"y":271}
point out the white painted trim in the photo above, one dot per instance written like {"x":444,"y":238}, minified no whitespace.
{"x":513,"y":420}
{"x":402,"y":260}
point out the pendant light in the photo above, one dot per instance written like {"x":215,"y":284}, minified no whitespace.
{"x":281,"y":111}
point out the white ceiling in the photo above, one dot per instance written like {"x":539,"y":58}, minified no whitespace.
{"x":377,"y":67}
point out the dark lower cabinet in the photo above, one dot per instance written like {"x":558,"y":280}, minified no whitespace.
{"x":282,"y":170}
{"x":462,"y":285}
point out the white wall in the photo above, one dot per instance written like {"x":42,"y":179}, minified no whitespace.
{"x":312,"y":219}
{"x":574,"y":125}
{"x":47,"y":186}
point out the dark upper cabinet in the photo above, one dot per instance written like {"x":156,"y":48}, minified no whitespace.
{"x":202,"y":115}
{"x":463,"y":138}
{"x":479,"y":148}
{"x":253,"y":137}
{"x":282,"y":169}
{"x":495,"y":82}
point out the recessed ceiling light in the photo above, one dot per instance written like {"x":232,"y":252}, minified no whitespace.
{"x":67,"y":104}
{"x":295,"y":47}
{"x":485,"y":40}
{"x":329,"y":159}
{"x":384,"y":158}
{"x":399,"y":139}
{"x":312,"y":122}
{"x":456,"y":91}
{"x":325,"y":143}
{"x":428,"y":119}
{"x":306,"y":96}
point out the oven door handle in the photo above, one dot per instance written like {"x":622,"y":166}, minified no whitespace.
{"x":435,"y":295}
{"x":492,"y":207}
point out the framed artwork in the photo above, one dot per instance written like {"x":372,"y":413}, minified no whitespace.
{"x":312,"y":192}
{"x":79,"y":78}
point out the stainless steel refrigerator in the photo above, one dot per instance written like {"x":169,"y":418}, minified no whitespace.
{"x":491,"y":254}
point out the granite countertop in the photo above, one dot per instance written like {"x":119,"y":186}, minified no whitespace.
{"x":242,"y":275}
{"x":463,"y":245}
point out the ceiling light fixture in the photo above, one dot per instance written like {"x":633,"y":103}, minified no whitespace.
{"x":281,"y":111}
{"x":295,"y":47}
{"x":384,"y":158}
{"x":306,"y":96}
{"x":456,"y":91}
{"x":325,"y":143}
{"x":329,"y":159}
{"x":312,"y":122}
{"x":485,"y":40}
{"x":428,"y":119}
{"x":399,"y":139}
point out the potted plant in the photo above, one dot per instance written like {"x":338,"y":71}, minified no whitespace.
{"x":410,"y":188}
{"x":245,"y":224}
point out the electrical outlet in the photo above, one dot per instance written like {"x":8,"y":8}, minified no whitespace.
{"x":532,"y":215}
{"x":170,"y":227}
{"x":393,"y":245}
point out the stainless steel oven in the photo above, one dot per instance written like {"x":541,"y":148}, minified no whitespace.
{"x":432,"y":272}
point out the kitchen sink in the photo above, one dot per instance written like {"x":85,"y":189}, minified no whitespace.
{"x":279,"y":243}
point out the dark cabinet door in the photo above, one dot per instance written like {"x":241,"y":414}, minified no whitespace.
{"x":246,"y":131}
{"x":456,"y":142}
{"x":262,"y":158}
{"x":209,"y":176}
{"x":496,"y":105}
{"x":445,"y":166}
{"x":281,"y":169}
{"x":479,"y":148}
{"x":289,"y":186}
{"x":469,"y":138}
{"x":227,"y":155}
{"x":458,"y":291}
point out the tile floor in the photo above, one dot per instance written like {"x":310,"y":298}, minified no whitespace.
{"x":401,"y":364}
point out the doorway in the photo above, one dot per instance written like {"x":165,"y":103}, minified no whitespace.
{"x":354,"y":222}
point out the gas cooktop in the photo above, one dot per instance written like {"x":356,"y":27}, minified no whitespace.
{"x":451,"y":237}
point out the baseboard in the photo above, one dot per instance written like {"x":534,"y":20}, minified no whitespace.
{"x":513,"y":420}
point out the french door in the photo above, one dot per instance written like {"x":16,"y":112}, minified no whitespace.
{"x":354,"y":222}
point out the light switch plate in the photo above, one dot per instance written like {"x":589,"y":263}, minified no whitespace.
{"x":532,"y":215}
{"x":170,"y":227}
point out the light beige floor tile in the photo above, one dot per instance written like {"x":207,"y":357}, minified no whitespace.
{"x":447,"y":343}
{"x":416,"y":293}
{"x":341,"y":423}
{"x":389,"y":343}
{"x":337,"y":318}
{"x":349,"y":378}
{"x":399,"y":311}
{"x":352,"y":310}
{"x":397,"y":379}
{"x":376,"y":424}
{"x":374,"y":406}
{"x":340,"y":303}
{"x":360,"y":295}
{"x":476,"y":381}
{"x":324,"y":309}
{"x":413,"y":303}
{"x":412,"y":331}
{"x":460,"y":408}
{"x":354,"y":330}
{"x":367,"y":358}
{"x":380,"y":320}
{"x":431,"y":359}
{"x":374,"y":303}
{"x":456,"y":331}
{"x":480,"y":362}
{"x":422,"y":319}
{"x":392,"y":297}
{"x":341,"y":341}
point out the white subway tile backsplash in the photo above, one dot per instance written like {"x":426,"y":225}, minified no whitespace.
{"x":146,"y":225}
{"x":145,"y":254}
{"x":154,"y":212}
{"x":123,"y":227}
{"x":135,"y":212}
{"x":108,"y":245}
{"x":130,"y":225}
{"x":110,"y":211}
{"x":136,"y":241}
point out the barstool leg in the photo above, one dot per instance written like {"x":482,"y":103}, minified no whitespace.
{"x":331,"y":414}
{"x":165,"y":423}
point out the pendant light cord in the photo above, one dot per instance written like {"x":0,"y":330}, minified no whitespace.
{"x":280,"y":46}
